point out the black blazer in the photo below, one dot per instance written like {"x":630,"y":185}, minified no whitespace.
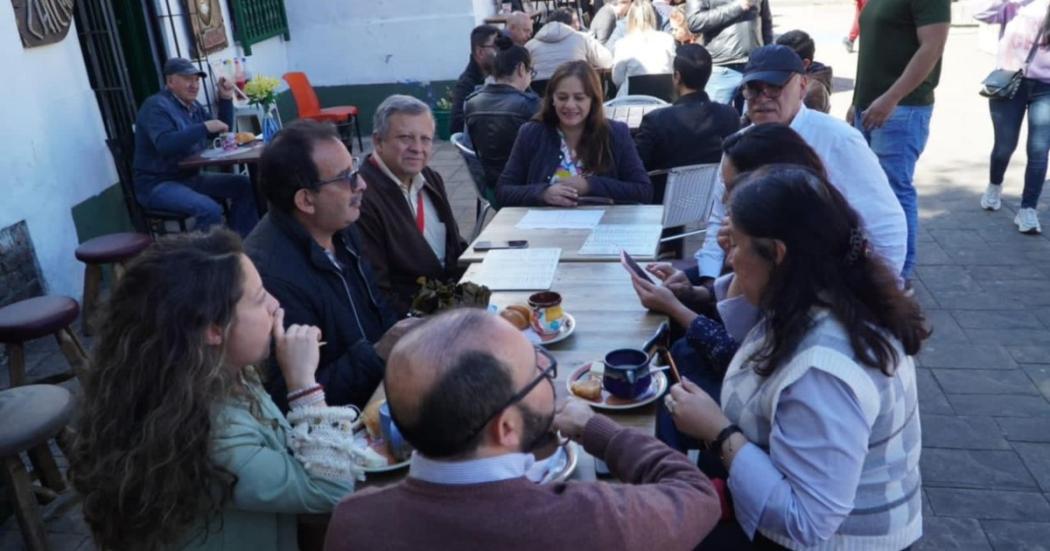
{"x":689,"y":132}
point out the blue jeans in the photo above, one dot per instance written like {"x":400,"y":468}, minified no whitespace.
{"x":724,"y":83}
{"x":1033,"y":96}
{"x":898,"y":144}
{"x":195,"y":198}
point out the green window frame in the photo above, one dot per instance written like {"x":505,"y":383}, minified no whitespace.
{"x":258,"y":20}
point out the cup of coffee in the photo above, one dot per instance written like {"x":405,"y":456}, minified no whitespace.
{"x":547,"y":315}
{"x":398,"y":446}
{"x":227,"y":141}
{"x":627,"y":373}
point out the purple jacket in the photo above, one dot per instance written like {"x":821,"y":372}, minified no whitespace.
{"x":537,"y":153}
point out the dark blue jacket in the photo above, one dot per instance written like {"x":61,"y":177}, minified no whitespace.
{"x":166,"y":132}
{"x":537,"y":154}
{"x":345,"y":305}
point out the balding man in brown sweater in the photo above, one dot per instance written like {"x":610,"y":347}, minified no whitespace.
{"x":473,"y":396}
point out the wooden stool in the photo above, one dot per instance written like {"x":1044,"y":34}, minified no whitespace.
{"x":34,"y":414}
{"x":39,"y":317}
{"x":116,"y":249}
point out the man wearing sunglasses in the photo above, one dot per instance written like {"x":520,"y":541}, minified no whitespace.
{"x":308,"y":251}
{"x":774,"y":87}
{"x":473,"y":396}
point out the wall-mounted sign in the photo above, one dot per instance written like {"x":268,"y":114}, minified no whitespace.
{"x":42,"y":22}
{"x":209,"y":29}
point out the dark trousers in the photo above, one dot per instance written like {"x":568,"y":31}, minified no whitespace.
{"x":1033,"y":98}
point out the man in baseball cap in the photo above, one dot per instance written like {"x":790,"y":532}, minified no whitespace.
{"x":173,"y":125}
{"x":774,"y":84}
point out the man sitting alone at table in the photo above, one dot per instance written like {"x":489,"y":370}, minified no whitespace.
{"x":407,"y":226}
{"x":173,"y":125}
{"x":472,"y":395}
{"x":308,"y":253}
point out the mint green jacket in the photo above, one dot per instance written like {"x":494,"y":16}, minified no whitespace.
{"x":272,"y":485}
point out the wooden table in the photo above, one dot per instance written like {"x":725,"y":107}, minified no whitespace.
{"x":630,"y":114}
{"x":247,"y":155}
{"x":502,"y":228}
{"x":608,"y":316}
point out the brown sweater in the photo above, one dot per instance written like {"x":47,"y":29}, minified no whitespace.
{"x":667,"y":504}
{"x":395,"y":249}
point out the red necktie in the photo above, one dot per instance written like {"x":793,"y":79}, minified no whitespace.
{"x":421,"y":221}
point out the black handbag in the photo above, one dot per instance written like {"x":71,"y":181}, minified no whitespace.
{"x":1002,"y":83}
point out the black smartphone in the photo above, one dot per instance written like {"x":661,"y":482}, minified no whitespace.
{"x":633,"y":266}
{"x":512,"y":244}
{"x":601,"y":470}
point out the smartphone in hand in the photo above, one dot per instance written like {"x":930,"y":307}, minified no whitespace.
{"x":490,"y":245}
{"x":633,"y":267}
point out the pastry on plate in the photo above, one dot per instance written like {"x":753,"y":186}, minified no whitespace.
{"x":515,"y":317}
{"x":588,"y":388}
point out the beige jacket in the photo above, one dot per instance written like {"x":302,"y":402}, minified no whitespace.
{"x":557,"y":43}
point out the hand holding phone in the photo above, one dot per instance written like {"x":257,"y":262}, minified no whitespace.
{"x":633,"y":267}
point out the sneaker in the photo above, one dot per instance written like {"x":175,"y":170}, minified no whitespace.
{"x":1027,"y":221}
{"x":990,"y":200}
{"x":848,"y":44}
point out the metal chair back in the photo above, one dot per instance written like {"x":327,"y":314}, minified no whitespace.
{"x":689,"y":195}
{"x":634,"y":100}
{"x":477,"y":175}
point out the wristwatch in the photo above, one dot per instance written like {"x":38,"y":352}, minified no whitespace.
{"x":716,"y":444}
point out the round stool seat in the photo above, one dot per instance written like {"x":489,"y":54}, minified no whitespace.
{"x":33,"y":414}
{"x":36,"y":317}
{"x":114,"y":247}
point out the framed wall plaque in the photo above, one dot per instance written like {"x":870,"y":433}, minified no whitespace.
{"x":209,"y":29}
{"x":42,"y":22}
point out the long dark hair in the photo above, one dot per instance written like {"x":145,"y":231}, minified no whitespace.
{"x":594,"y":150}
{"x":827,"y":265}
{"x":767,"y":144}
{"x":142,"y":459}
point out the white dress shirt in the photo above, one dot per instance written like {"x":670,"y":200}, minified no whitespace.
{"x":854,"y":170}
{"x":434,"y":228}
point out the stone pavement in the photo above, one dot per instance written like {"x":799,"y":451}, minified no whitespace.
{"x":984,"y":377}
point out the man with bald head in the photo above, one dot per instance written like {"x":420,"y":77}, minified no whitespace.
{"x":473,"y":396}
{"x":519,"y":27}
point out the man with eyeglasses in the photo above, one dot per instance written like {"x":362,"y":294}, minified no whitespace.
{"x":473,"y":396}
{"x":482,"y":54}
{"x":407,"y":226}
{"x":774,"y":85}
{"x":308,"y":251}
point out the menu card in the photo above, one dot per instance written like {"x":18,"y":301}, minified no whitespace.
{"x":609,"y":239}
{"x":552,"y":219}
{"x":518,"y":269}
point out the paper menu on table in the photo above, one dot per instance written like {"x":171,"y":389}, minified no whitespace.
{"x":518,"y":269}
{"x":560,"y":219}
{"x":609,"y":239}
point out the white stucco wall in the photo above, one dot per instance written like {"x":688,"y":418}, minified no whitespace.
{"x":340,"y":42}
{"x":53,"y":147}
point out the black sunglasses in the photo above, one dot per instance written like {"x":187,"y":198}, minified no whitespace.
{"x":549,"y":373}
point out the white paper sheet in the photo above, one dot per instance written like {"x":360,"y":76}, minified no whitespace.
{"x":572,"y":219}
{"x":518,"y":269}
{"x":638,"y":240}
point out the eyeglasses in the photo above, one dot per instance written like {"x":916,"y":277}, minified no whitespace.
{"x":548,"y":373}
{"x":346,"y":177}
{"x":754,"y":89}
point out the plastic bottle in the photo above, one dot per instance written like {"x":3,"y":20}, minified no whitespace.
{"x":244,"y":68}
{"x":238,"y":73}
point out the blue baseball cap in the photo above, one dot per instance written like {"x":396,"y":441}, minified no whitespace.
{"x":182,"y":66}
{"x":773,"y":64}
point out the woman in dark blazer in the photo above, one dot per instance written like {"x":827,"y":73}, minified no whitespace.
{"x":569,"y":150}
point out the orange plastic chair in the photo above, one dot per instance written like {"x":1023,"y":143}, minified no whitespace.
{"x":310,"y":108}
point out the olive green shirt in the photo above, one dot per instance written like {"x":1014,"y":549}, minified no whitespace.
{"x":888,"y":41}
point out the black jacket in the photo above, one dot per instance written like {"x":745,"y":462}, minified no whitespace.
{"x":493,"y":116}
{"x":469,"y":80}
{"x":729,"y":31}
{"x":689,"y":132}
{"x":344,"y":304}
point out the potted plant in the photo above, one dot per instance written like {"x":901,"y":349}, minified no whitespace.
{"x":262,"y":92}
{"x":442,"y":109}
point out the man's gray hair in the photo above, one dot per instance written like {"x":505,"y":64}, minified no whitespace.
{"x":393,"y":105}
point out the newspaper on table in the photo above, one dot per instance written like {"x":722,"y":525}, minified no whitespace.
{"x":609,"y":239}
{"x":560,"y":219}
{"x":518,"y":269}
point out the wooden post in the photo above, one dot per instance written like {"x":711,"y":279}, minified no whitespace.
{"x":17,"y":480}
{"x":73,"y":351}
{"x":45,"y":467}
{"x":16,"y":364}
{"x":92,"y":288}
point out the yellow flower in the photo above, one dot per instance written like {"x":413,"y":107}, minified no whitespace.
{"x":262,"y":89}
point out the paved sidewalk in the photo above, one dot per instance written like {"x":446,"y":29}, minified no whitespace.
{"x":984,"y":379}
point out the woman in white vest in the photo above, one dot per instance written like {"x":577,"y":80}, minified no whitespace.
{"x":819,"y":422}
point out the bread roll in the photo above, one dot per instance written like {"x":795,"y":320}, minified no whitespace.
{"x":589,"y":388}
{"x":515,"y":318}
{"x":370,"y":417}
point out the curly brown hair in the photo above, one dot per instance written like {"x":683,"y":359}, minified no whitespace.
{"x":141,"y":459}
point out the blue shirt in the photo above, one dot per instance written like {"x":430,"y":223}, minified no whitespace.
{"x":167,"y":131}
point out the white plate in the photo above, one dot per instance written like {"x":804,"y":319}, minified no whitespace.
{"x":567,"y":329}
{"x":657,"y":387}
{"x":374,"y":444}
{"x":572,"y":456}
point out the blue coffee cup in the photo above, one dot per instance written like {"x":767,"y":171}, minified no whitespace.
{"x":397,"y":444}
{"x":627,"y":373}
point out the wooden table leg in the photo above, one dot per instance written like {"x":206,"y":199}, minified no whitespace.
{"x":29,"y":521}
{"x":74,"y":352}
{"x":16,"y":364}
{"x":45,"y":467}
{"x":92,"y":288}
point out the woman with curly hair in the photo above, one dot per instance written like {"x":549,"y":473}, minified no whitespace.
{"x":178,"y":445}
